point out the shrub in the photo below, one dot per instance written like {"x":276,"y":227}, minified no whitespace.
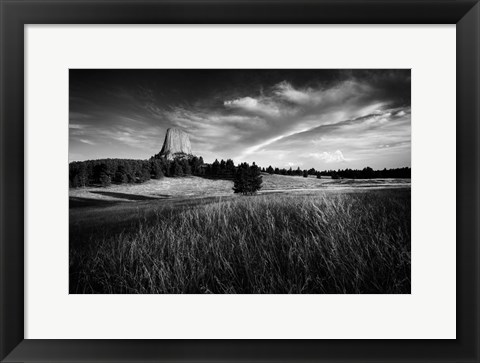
{"x":248,"y":179}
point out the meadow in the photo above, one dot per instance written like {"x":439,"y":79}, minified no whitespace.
{"x":197,"y":187}
{"x":331,"y":240}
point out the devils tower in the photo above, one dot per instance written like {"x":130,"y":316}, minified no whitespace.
{"x":177,"y":143}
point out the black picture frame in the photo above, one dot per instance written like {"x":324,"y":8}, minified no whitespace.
{"x":15,"y":14}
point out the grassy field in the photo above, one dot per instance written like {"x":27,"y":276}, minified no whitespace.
{"x":196,"y":187}
{"x":329,"y":241}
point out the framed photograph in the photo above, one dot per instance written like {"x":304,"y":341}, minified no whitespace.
{"x":293,"y":143}
{"x":240,"y":181}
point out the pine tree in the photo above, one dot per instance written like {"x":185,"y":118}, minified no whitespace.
{"x":175,"y":168}
{"x":187,"y":170}
{"x":82,"y":175}
{"x":241,"y":179}
{"x":335,"y":175}
{"x":223,"y":165}
{"x":368,"y":173}
{"x":194,"y":163}
{"x":248,"y":179}
{"x":199,"y":169}
{"x":105,"y":180}
{"x":156,"y":169}
{"x":101,"y":174}
{"x":145,"y":174}
{"x":120,"y":176}
{"x":229,"y":169}
{"x":215,"y":170}
{"x":255,"y":179}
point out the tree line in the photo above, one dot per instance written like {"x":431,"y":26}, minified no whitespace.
{"x":221,"y":169}
{"x":365,"y":173}
{"x":125,"y":171}
{"x":246,"y":178}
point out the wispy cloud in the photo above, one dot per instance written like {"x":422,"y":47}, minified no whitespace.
{"x":76,"y":126}
{"x":286,"y":91}
{"x":86,"y":141}
{"x":260,"y":107}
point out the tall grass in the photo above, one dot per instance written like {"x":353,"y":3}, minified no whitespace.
{"x":337,"y":243}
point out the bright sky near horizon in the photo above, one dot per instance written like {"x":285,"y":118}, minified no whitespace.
{"x":326,"y":118}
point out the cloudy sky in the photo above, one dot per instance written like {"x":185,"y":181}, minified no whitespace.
{"x":326,"y":119}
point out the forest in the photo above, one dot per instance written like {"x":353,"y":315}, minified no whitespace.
{"x":365,"y":173}
{"x":104,"y":172}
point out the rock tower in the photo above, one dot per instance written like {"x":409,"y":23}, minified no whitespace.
{"x":176,"y":144}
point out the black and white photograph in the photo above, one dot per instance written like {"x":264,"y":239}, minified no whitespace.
{"x":239,"y":181}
